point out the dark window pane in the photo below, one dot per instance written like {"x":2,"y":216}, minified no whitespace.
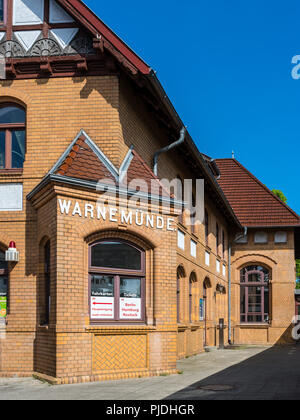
{"x":116,"y":255}
{"x":11,"y":115}
{"x":254,"y":318}
{"x":2,"y":149}
{"x":254,"y":278}
{"x":3,"y":286}
{"x":3,"y":263}
{"x":266,"y":297}
{"x":243,"y":300}
{"x":243,"y":318}
{"x":18,"y":149}
{"x":102,"y":286}
{"x":298,"y":310}
{"x":1,"y":10}
{"x":130,"y":288}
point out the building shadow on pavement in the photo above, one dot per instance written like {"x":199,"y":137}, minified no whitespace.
{"x":273,"y":374}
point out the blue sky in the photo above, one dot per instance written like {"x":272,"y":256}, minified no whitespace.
{"x":226,"y":66}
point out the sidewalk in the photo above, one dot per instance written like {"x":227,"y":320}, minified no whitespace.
{"x":207,"y":366}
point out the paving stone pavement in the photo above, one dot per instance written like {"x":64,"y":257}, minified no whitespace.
{"x":249,"y":373}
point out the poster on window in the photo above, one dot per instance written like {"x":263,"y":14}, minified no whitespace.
{"x":130,"y":299}
{"x":130,"y":308}
{"x":102,"y":307}
{"x":201,"y":310}
{"x":3,"y":306}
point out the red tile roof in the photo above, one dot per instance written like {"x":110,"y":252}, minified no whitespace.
{"x":83,"y":163}
{"x":253,"y":203}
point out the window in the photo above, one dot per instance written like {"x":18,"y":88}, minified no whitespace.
{"x":223,"y":244}
{"x":192,"y":282}
{"x":280,"y":237}
{"x":181,"y":240}
{"x":193,"y":249}
{"x":3,"y":285}
{"x":206,"y":227}
{"x":47,"y":282}
{"x":255,"y":294}
{"x":1,"y":11}
{"x":218,"y":266}
{"x":180,"y":275}
{"x":207,"y":258}
{"x":261,"y":238}
{"x":117,"y":282}
{"x":12,"y":136}
{"x":217,"y":238}
{"x":224,"y":270}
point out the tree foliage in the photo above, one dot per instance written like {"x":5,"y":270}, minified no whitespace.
{"x":297,"y":274}
{"x":280,"y":195}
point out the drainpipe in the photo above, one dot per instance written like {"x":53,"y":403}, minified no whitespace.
{"x":167,"y":149}
{"x":243,"y":235}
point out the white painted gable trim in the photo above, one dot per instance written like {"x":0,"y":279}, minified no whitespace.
{"x":27,"y":38}
{"x":28,"y":12}
{"x":102,"y":157}
{"x":126,"y":163}
{"x":64,"y":36}
{"x":98,"y":152}
{"x":58,"y":15}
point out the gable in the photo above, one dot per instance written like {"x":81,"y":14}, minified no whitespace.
{"x":83,"y":160}
{"x":253,"y":203}
{"x":42,"y":28}
{"x":52,"y":31}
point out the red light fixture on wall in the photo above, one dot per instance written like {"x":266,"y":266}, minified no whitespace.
{"x":12,"y":255}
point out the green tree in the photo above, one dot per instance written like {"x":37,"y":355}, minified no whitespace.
{"x":297,"y":274}
{"x":280,"y":195}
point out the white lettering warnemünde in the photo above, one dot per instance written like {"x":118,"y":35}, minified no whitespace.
{"x":139,"y":218}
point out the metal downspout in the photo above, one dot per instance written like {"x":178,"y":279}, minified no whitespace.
{"x":167,"y":149}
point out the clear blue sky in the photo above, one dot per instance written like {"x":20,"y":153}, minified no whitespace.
{"x":226,"y":66}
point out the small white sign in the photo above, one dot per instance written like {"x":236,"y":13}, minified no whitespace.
{"x":102,"y":307}
{"x":130,"y":308}
{"x":11,"y":197}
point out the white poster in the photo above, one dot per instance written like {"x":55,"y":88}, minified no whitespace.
{"x":130,"y":308}
{"x":102,"y":307}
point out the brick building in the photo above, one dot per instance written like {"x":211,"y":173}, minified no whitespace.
{"x":112,"y":279}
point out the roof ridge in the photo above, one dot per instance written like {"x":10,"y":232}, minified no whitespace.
{"x":266,"y":188}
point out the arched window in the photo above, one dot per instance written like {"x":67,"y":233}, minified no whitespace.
{"x":255,"y":294}
{"x":193,"y":279}
{"x":12,"y":136}
{"x":117,"y":282}
{"x":3,"y":285}
{"x":47,"y":282}
{"x":180,"y":275}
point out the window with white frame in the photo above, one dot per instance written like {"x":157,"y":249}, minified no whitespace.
{"x":218,"y":264}
{"x":207,"y":258}
{"x":181,"y":240}
{"x":224,"y":270}
{"x":193,"y":249}
{"x":261,"y":238}
{"x":280,"y":237}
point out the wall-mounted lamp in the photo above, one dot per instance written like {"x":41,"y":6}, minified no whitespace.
{"x":12,"y":255}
